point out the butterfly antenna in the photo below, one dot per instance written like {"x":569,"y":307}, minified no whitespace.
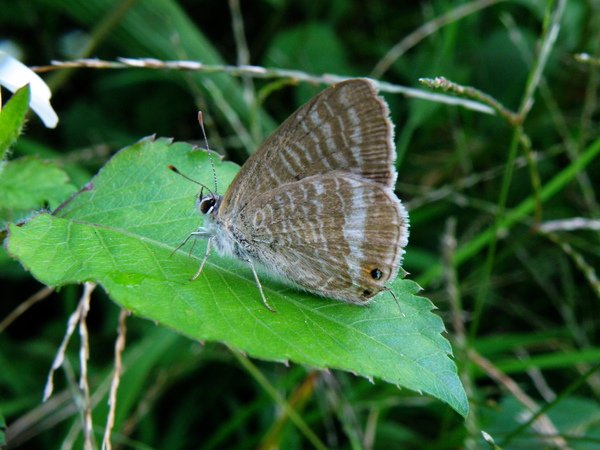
{"x":176,"y":170}
{"x":212,"y":164}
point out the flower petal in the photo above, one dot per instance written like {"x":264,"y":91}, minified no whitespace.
{"x":14,"y":74}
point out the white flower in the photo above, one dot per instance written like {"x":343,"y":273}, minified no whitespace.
{"x":14,"y":74}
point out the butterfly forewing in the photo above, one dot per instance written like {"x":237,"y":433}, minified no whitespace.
{"x":345,"y":127}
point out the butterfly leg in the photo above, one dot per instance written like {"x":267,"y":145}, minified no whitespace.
{"x":262,"y":294}
{"x":181,"y":245}
{"x":200,"y":233}
{"x":208,"y":248}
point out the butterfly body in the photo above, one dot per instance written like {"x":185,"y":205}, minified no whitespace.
{"x":315,"y":203}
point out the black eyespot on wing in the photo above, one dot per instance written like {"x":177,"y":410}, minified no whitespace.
{"x":206,"y":204}
{"x":376,"y":274}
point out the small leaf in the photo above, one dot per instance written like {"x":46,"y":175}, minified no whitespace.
{"x":27,"y":184}
{"x":12,"y":118}
{"x":122,"y":230}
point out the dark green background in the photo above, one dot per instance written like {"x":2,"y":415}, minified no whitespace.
{"x":540,"y":313}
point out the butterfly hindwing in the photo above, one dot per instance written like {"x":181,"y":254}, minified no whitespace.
{"x":336,"y":234}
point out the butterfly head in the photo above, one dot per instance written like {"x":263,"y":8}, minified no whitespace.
{"x":208,"y":205}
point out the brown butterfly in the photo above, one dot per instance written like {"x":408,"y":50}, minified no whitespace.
{"x":315,"y":204}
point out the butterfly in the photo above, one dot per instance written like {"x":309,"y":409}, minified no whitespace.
{"x":315,"y":204}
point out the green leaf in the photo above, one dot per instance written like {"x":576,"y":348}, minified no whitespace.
{"x":28,"y":183}
{"x":122,"y":229}
{"x":12,"y":117}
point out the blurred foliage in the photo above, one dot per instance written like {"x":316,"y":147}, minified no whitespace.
{"x":539,"y":319}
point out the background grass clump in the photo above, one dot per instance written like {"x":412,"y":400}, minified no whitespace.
{"x":504,"y":211}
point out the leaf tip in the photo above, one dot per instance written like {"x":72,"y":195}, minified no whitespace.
{"x":146,"y":139}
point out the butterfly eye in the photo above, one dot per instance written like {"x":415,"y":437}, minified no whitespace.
{"x":207,"y":204}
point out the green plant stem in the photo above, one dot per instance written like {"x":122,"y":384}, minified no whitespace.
{"x":586,"y":269}
{"x":269,"y":389}
{"x":460,"y":341}
{"x":296,"y":76}
{"x":484,"y":287}
{"x":548,"y":40}
{"x":427,"y":29}
{"x":467,"y":251}
{"x":99,"y":34}
{"x":548,"y":406}
{"x":534,"y":176}
{"x":539,"y":63}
